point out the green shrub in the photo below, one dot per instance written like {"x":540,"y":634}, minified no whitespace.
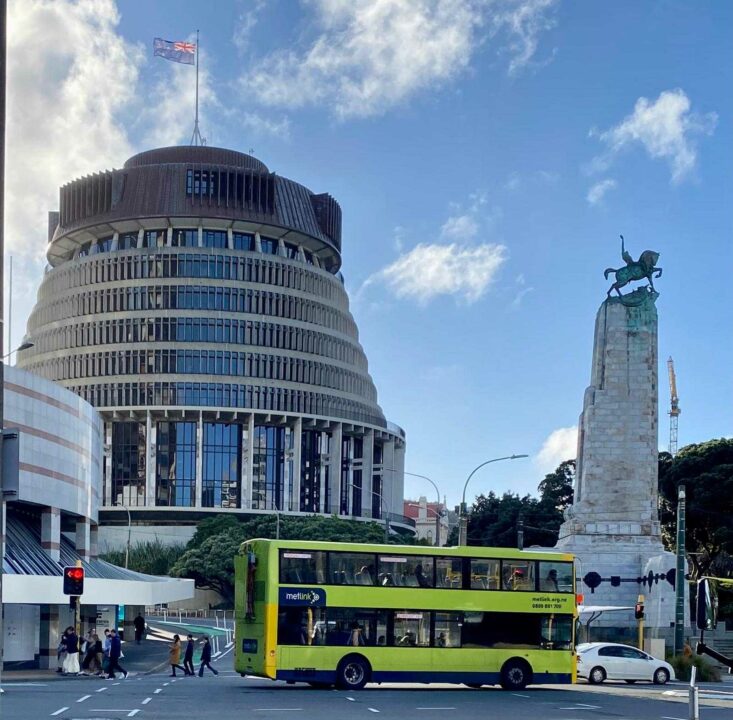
{"x":683,"y":665}
{"x":151,"y":557}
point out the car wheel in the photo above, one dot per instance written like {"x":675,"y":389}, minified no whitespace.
{"x":352,"y":673}
{"x":630,"y":682}
{"x":515,"y":675}
{"x":596,"y":676}
{"x":661,"y":676}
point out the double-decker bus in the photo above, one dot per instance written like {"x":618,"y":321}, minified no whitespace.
{"x":339,"y":613}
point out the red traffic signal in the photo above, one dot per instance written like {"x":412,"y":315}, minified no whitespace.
{"x":73,"y":581}
{"x":639,"y":611}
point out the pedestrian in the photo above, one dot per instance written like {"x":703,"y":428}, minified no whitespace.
{"x":206,"y":657}
{"x":90,"y":655}
{"x":188,"y":656}
{"x":61,"y":652}
{"x":71,"y":662}
{"x":97,"y":665}
{"x":115,"y":653}
{"x":106,"y":644}
{"x":174,"y":656}
{"x":139,"y":623}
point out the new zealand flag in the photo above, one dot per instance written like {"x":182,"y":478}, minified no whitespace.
{"x":178,"y":51}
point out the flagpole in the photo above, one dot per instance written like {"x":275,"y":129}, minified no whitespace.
{"x":196,"y":137}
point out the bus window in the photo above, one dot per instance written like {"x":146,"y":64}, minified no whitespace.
{"x":406,"y":571}
{"x":356,"y":626}
{"x":556,"y":576}
{"x":557,"y":632}
{"x":411,"y":628}
{"x":485,"y":574}
{"x":448,"y":629}
{"x":351,"y":568}
{"x":517,"y":575}
{"x":300,"y":626}
{"x":449,"y":573}
{"x":306,"y":567}
{"x":500,"y":629}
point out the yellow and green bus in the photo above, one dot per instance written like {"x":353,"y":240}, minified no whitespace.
{"x":329,"y":613}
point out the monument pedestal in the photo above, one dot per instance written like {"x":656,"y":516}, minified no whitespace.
{"x":613,"y":526}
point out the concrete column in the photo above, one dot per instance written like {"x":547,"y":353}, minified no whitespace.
{"x":115,"y":241}
{"x":297,"y":463}
{"x":248,"y":453}
{"x":388,"y":473}
{"x":366,"y":474}
{"x":83,"y":537}
{"x":94,"y":542}
{"x":140,"y":237}
{"x":258,"y":243}
{"x":337,"y":435}
{"x":201,"y":236}
{"x":150,"y":462}
{"x":169,"y":237}
{"x":230,"y":239}
{"x":199,"y":459}
{"x":397,"y":491}
{"x":48,"y":637}
{"x":51,"y":532}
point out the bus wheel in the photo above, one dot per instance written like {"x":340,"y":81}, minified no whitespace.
{"x":352,"y":673}
{"x":515,"y":675}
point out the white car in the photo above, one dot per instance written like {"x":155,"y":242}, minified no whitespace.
{"x":601,"y":661}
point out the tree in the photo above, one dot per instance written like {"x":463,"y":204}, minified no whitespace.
{"x":557,"y":488}
{"x":151,"y":557}
{"x":209,"y":556}
{"x":706,"y":469}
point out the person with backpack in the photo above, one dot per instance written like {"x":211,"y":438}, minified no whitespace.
{"x":206,"y":657}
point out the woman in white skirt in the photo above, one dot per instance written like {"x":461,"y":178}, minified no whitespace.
{"x":71,"y":661}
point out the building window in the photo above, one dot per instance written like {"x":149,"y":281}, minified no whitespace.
{"x":268,"y":245}
{"x":313,"y":470}
{"x":127,"y":241}
{"x":185,"y":238}
{"x":154,"y":238}
{"x":221,"y":465}
{"x":215,"y":239}
{"x":272,"y":468}
{"x":176,"y":464}
{"x":105,"y":244}
{"x":128,"y":463}
{"x":243,"y":241}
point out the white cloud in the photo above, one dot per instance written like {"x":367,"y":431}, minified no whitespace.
{"x":370,"y":55}
{"x":460,"y":227}
{"x":596,"y":193}
{"x":428,"y":271}
{"x":665,"y":128}
{"x":246,"y":22}
{"x":560,"y":445}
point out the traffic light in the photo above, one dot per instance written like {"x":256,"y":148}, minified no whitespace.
{"x":639,"y":611}
{"x":73,"y":581}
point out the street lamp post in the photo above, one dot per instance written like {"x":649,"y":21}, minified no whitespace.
{"x":463,"y":523}
{"x":437,"y":517}
{"x":383,"y":506}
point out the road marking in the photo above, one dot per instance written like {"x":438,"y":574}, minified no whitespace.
{"x":166,"y":684}
{"x":58,"y":712}
{"x":83,"y":698}
{"x":132,"y":713}
{"x":146,"y":701}
{"x":520,"y":695}
{"x":351,"y":699}
{"x":373,"y":710}
{"x":669,"y":717}
{"x":102,"y":689}
{"x":158,"y":690}
{"x":590,"y":707}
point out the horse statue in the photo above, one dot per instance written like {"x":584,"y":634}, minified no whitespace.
{"x":645,"y":267}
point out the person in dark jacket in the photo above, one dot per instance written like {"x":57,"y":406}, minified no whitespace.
{"x":71,"y":663}
{"x":188,"y":657}
{"x":139,"y":623}
{"x":115,"y":653}
{"x":206,"y":657}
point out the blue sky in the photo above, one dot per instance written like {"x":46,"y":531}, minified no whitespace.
{"x":486,"y":156}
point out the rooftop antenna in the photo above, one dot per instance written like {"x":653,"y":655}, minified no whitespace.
{"x":196,"y":138}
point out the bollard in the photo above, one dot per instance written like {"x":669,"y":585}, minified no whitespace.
{"x":694,"y":696}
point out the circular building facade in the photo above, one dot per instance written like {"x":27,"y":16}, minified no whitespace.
{"x":194,"y":298}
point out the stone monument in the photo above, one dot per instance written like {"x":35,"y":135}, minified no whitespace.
{"x":613,"y":525}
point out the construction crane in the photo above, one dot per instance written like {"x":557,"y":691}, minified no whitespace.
{"x":674,"y":408}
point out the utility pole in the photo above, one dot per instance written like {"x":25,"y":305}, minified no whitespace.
{"x":679,"y":586}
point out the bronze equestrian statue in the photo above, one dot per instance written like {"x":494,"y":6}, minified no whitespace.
{"x":645,"y":267}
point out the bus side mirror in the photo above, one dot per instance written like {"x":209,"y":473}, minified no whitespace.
{"x":707,"y":605}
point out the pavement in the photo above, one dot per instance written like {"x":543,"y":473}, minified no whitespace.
{"x":151,"y":656}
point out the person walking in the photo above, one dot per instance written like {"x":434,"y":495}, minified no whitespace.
{"x":174,"y":656}
{"x":61,"y":652}
{"x":139,"y":623}
{"x":71,"y":662}
{"x":115,"y":653}
{"x":206,"y":657}
{"x":90,"y":655}
{"x":97,"y":665}
{"x":188,"y":656}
